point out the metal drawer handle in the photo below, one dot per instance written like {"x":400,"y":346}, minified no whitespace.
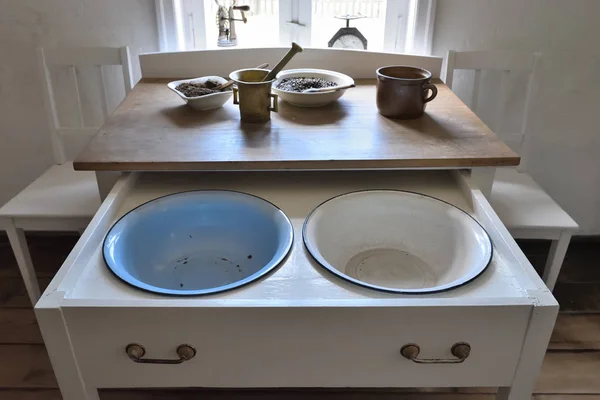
{"x":136,"y":352}
{"x":459,"y":350}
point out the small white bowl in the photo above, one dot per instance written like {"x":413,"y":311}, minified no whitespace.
{"x":397,"y":241}
{"x":207,"y":102}
{"x":311,"y":99}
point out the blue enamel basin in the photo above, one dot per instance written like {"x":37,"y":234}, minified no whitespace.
{"x":198,"y":242}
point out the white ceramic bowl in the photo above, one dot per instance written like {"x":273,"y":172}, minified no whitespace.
{"x":311,"y":99}
{"x":207,"y":102}
{"x":397,"y":241}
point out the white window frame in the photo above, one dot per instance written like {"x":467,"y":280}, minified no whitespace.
{"x":181,"y":24}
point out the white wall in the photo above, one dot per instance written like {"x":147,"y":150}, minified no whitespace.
{"x":25,"y":150}
{"x":564,"y":155}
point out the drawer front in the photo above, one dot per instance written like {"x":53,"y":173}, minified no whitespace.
{"x":298,"y":346}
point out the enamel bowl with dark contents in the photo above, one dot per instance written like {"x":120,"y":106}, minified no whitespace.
{"x":291,"y":82}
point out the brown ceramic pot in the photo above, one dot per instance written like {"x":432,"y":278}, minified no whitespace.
{"x":402,"y":92}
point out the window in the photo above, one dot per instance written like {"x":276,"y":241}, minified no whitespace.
{"x":371,"y":24}
{"x":387,"y":25}
{"x":261,"y":30}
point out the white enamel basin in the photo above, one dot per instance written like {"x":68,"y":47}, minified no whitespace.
{"x":198,"y":242}
{"x":397,"y":241}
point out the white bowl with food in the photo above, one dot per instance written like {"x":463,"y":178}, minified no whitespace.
{"x":199,"y":93}
{"x":290,"y":84}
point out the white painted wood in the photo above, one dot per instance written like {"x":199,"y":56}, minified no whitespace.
{"x":92,"y":393}
{"x":503,"y":98}
{"x":548,"y":234}
{"x":494,"y":60}
{"x":396,"y":25}
{"x":557,"y":253}
{"x":93,"y":233}
{"x":524,"y":207}
{"x":50,"y":105}
{"x":295,"y":22}
{"x":18,"y":243}
{"x":297,"y":194}
{"x":127,"y":69}
{"x":504,"y":242}
{"x":307,"y":327}
{"x":423,"y":27}
{"x":484,"y":179}
{"x":449,"y":67}
{"x":295,"y":346}
{"x":58,"y":344}
{"x":355,"y":63}
{"x":105,"y":181}
{"x":522,"y":204}
{"x":194,"y":18}
{"x":60,"y":192}
{"x":83,"y":56}
{"x":73,"y":72}
{"x":103,"y":96}
{"x":52,"y":224}
{"x":83,"y":131}
{"x":536,"y":342}
{"x":507,"y":63}
{"x":74,"y":140}
{"x":531,"y":86}
{"x":164,"y":17}
{"x":61,"y":198}
{"x":475,"y":92}
{"x":67,"y":141}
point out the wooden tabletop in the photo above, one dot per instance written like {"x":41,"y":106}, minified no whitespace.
{"x":152,"y":130}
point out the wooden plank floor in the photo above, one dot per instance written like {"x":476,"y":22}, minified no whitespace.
{"x":571,"y":369}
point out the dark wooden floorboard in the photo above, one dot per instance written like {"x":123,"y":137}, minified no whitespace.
{"x":571,"y":369}
{"x":13,"y":293}
{"x":25,"y":366}
{"x":18,"y":326}
{"x":45,"y":394}
{"x":48,"y":252}
{"x":578,"y":297}
{"x":30,"y":394}
{"x":576,"y":332}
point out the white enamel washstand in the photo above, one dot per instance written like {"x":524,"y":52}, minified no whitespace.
{"x":345,"y":308}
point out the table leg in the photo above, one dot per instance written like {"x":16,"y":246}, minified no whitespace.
{"x":18,"y":242}
{"x":483,"y":177}
{"x":534,"y":348}
{"x":92,"y":394}
{"x":556,"y":256}
{"x":106,"y":180}
{"x":58,"y":344}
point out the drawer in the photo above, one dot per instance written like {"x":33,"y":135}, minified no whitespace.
{"x":299,"y":346}
{"x":299,"y":326}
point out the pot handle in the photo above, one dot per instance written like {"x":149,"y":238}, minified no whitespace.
{"x":434,"y":91}
{"x":274,"y":103}
{"x":236,"y":99}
